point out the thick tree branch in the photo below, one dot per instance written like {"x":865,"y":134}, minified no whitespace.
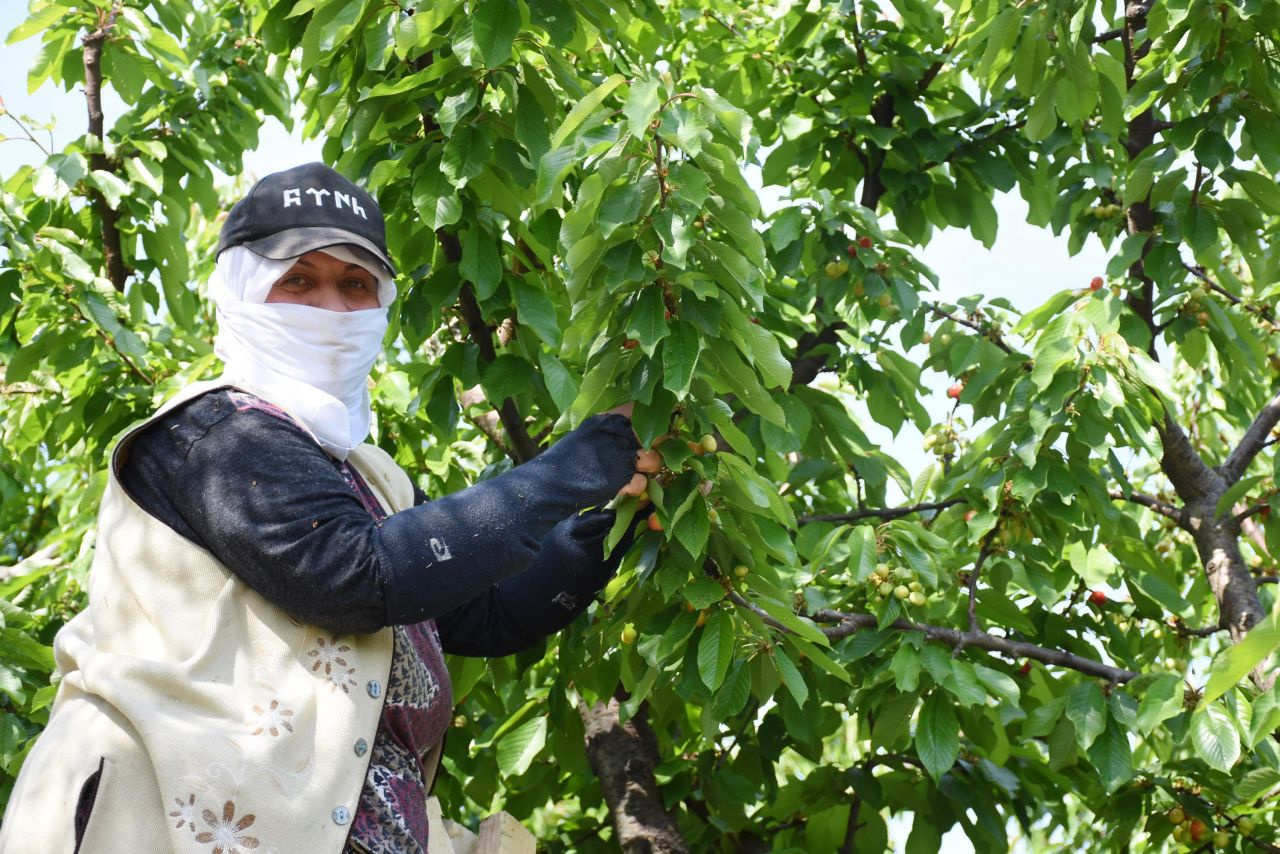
{"x":1251,"y":443}
{"x":810,"y":356}
{"x":848,"y":624}
{"x":624,"y":756}
{"x":1181,"y":463}
{"x":112,"y":252}
{"x":1139,"y":217}
{"x":885,"y":513}
{"x":522,"y":447}
{"x":1164,"y":508}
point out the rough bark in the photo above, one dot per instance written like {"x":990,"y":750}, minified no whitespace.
{"x":624,"y":756}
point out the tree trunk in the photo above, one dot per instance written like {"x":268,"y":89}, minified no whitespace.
{"x":623,"y":757}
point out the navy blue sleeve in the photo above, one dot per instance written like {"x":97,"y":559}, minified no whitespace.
{"x":569,"y":571}
{"x":260,"y":495}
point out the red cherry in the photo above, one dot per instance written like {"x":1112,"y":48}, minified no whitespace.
{"x":865,"y":242}
{"x":754,"y":320}
{"x":1025,"y":668}
{"x":851,"y":250}
{"x":955,"y":390}
{"x":1095,"y":284}
{"x":630,"y":344}
{"x":1097,"y":597}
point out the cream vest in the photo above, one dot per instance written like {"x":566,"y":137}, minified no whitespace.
{"x":217,"y":721}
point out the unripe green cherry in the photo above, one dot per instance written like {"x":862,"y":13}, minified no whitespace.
{"x":901,"y":591}
{"x":885,"y":588}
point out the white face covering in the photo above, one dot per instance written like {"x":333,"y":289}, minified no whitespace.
{"x":311,"y":362}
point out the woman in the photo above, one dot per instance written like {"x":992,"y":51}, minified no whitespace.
{"x":260,"y":663}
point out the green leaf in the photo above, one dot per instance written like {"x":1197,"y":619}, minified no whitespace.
{"x":111,"y":187}
{"x":43,"y":19}
{"x":465,"y":155}
{"x":585,"y":107}
{"x":481,"y":264}
{"x":641,"y":107}
{"x":506,"y":376}
{"x":1111,"y":756}
{"x":937,"y":735}
{"x":680,"y":351}
{"x":494,"y":25}
{"x":1162,"y":701}
{"x":1235,"y":662}
{"x":715,"y":649}
{"x":647,"y":321}
{"x":791,"y":676}
{"x":1087,"y":709}
{"x":791,"y":621}
{"x":146,"y":172}
{"x":536,"y":310}
{"x":518,"y":748}
{"x":1238,"y":490}
{"x":1215,"y":737}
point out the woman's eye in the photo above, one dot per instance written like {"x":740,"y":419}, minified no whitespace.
{"x":293,"y":282}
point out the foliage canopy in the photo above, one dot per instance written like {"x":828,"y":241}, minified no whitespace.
{"x":564,"y":183}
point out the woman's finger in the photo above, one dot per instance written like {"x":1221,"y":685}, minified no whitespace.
{"x":648,"y":461}
{"x":637,"y":485}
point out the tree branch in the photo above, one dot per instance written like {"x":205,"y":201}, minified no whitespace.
{"x":1191,"y":478}
{"x":938,"y":311}
{"x":848,"y":624}
{"x":1262,"y":311}
{"x":804,"y":366}
{"x":523,"y":448}
{"x":112,"y":252}
{"x":885,"y":513}
{"x":624,"y":756}
{"x":983,"y":553}
{"x":1164,"y":508}
{"x":1251,"y":443}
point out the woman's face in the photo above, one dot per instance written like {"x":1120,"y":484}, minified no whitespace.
{"x":322,"y":281}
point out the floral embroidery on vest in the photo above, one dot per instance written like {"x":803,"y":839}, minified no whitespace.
{"x":272,"y":719}
{"x":185,"y":813}
{"x":328,"y":653}
{"x":227,"y":838}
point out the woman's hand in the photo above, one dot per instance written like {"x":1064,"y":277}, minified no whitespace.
{"x":648,"y":461}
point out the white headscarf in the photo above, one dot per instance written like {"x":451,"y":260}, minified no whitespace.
{"x":311,"y":362}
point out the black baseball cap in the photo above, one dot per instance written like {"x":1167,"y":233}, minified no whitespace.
{"x":302,"y":209}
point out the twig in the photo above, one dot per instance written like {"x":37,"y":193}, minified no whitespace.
{"x":848,"y":624}
{"x":1164,"y":508}
{"x":976,"y":327}
{"x":983,"y":553}
{"x":1109,"y":35}
{"x":110,"y":341}
{"x":730,"y":27}
{"x":885,"y":513}
{"x":1247,"y":512}
{"x":1267,"y":579}
{"x":25,"y":130}
{"x":1262,"y":311}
